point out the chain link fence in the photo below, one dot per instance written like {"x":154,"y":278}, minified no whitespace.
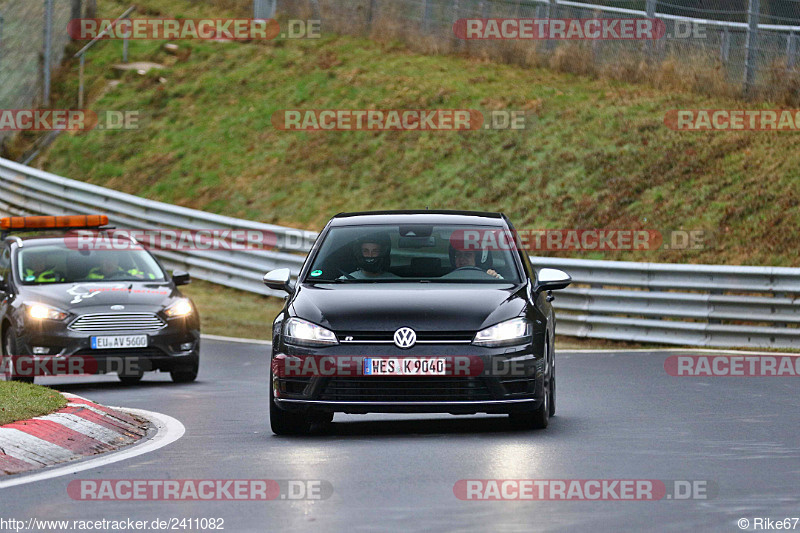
{"x":24,"y":48}
{"x":717,"y":46}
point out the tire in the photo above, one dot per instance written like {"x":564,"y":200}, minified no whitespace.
{"x":553,"y":381}
{"x":185,"y":376}
{"x":286,"y":422}
{"x":11,"y":346}
{"x":130,"y":379}
{"x":540,"y":418}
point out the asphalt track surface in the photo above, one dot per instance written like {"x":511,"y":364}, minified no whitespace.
{"x":620,"y":416}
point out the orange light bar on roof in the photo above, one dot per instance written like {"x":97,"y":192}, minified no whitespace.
{"x":44,"y":222}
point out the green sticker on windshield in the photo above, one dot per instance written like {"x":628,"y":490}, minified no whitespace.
{"x":316,"y":273}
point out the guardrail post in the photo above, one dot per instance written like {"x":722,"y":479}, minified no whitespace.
{"x":791,"y":51}
{"x":751,"y":46}
{"x":48,"y":51}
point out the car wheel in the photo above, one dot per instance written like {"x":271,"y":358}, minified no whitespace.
{"x":553,"y":382}
{"x":131,"y":378}
{"x":286,"y":422}
{"x":11,"y":346}
{"x":185,"y":376}
{"x":540,"y":418}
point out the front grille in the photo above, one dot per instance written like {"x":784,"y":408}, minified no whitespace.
{"x":120,"y":322}
{"x":143,"y":353}
{"x":423,"y":337}
{"x":399,"y":389}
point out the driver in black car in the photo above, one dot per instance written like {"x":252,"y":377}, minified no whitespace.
{"x":372,"y":256}
{"x":467,"y":259}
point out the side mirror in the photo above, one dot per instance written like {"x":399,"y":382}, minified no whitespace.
{"x":3,"y":284}
{"x":551,"y":279}
{"x":179,"y":277}
{"x":279,"y":280}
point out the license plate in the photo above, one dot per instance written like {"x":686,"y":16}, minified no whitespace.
{"x":119,"y":342}
{"x":405,"y":366}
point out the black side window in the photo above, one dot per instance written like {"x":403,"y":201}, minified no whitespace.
{"x":5,"y":263}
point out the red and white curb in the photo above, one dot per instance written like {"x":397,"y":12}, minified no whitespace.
{"x":79,"y":430}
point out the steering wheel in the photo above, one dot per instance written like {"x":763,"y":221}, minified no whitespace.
{"x":471,"y":268}
{"x":346,"y":274}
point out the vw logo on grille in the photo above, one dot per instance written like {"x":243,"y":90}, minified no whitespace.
{"x":405,"y":338}
{"x":117,"y":307}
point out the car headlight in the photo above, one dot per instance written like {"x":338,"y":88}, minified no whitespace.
{"x":302,"y":332}
{"x":182,"y":307}
{"x":508,"y":333}
{"x":45,"y":312}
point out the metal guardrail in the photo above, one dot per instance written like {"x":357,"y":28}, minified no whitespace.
{"x":692,"y":305}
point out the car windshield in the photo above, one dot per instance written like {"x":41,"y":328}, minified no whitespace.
{"x":62,"y":264}
{"x":415,"y":252}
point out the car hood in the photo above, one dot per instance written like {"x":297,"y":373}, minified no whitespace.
{"x":387,"y":307}
{"x":98,"y":297}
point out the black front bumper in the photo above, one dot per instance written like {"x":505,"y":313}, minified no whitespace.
{"x":71,"y":352}
{"x":511,"y":380}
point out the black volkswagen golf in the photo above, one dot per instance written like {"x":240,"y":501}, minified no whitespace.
{"x":414,"y":311}
{"x":70,"y":307}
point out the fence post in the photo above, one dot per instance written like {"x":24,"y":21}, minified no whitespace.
{"x":48,"y":50}
{"x":725,"y":45}
{"x":426,"y":15}
{"x":75,"y":12}
{"x":751,"y":46}
{"x":370,"y":15}
{"x":80,"y":81}
{"x":552,"y":12}
{"x":651,"y":14}
{"x":791,"y":50}
{"x":1,"y":39}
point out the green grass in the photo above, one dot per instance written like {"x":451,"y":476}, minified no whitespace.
{"x":20,"y":401}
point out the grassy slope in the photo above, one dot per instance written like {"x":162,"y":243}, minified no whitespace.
{"x":20,"y":401}
{"x":596,"y":155}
